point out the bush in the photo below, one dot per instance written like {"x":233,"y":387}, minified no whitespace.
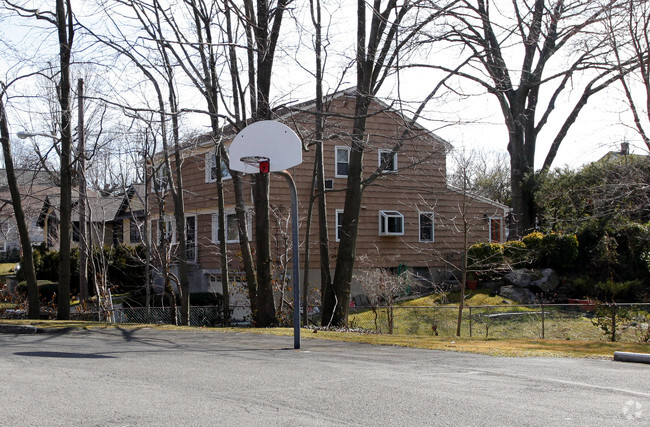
{"x":126,"y":270}
{"x":206,"y":299}
{"x":124,"y":267}
{"x":533,"y":241}
{"x":618,"y":291}
{"x":617,"y":250}
{"x":46,"y":290}
{"x":582,"y":287}
{"x":515,"y":253}
{"x":139,"y":299}
{"x":481,"y":256}
{"x":559,"y":251}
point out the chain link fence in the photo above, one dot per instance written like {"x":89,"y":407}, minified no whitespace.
{"x":588,"y":321}
{"x":556,"y":321}
{"x":199,"y":315}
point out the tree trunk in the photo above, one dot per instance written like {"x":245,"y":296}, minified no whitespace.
{"x":521,"y":184}
{"x":337,"y":298}
{"x":34,"y":311}
{"x":265,"y":304}
{"x":65,"y":33}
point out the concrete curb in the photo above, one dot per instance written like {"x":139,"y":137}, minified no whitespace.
{"x":623,"y":356}
{"x":19,"y":329}
{"x":30,"y":329}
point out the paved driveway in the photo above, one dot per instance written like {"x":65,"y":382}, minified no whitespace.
{"x":152,"y":377}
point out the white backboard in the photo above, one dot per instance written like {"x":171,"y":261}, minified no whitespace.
{"x":269,"y":139}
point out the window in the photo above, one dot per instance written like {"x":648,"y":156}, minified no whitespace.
{"x":169,"y":230}
{"x":385,"y":156}
{"x":211,"y":168}
{"x":135,"y":236}
{"x":495,"y":229}
{"x":328,"y":185}
{"x":232,"y":227}
{"x":118,"y":233}
{"x":160,"y":180}
{"x":190,"y":238}
{"x":52,"y":231}
{"x":339,"y":222}
{"x":76,"y":233}
{"x":342,"y":161}
{"x":426,"y":226}
{"x":391,"y":223}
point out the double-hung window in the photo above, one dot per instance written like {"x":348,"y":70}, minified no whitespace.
{"x":342,"y":161}
{"x":232,"y":227}
{"x":391,"y":223}
{"x":426,"y":226}
{"x":169,"y":230}
{"x":390,"y":159}
{"x":160,"y":179}
{"x":135,"y":233}
{"x":211,"y":168}
{"x":190,"y":238}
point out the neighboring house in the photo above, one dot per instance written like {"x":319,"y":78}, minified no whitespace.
{"x":34,"y":186}
{"x":116,"y":218}
{"x":410,"y":218}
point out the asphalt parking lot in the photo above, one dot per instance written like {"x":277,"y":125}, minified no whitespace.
{"x":154,"y":377}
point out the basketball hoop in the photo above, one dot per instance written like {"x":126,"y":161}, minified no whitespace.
{"x":260,"y":161}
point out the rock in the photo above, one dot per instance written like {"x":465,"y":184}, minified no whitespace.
{"x":520,"y":278}
{"x":492,"y":285}
{"x":548,"y":282}
{"x":521,"y":295}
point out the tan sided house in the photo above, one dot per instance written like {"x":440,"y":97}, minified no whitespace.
{"x":411,"y":219}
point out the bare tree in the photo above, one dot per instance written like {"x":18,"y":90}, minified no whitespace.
{"x":487,"y":175}
{"x":21,"y":222}
{"x":63,"y":21}
{"x":630,"y":38}
{"x":383,"y":288}
{"x":380,"y":43}
{"x":511,"y":53}
{"x":263,"y":31}
{"x":159,"y":70}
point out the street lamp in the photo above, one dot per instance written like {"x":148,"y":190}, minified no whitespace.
{"x":23,"y":134}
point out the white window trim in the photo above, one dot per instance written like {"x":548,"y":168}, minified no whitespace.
{"x":170,"y":229}
{"x":490,"y":219}
{"x":196,"y":237}
{"x":433,"y":227}
{"x":210,"y":161}
{"x":336,"y":221}
{"x":394,"y":170}
{"x":383,"y":219}
{"x":336,"y":160}
{"x":159,"y":179}
{"x":215,"y":227}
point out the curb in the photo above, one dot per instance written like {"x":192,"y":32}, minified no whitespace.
{"x":623,"y":356}
{"x":30,"y":329}
{"x":19,"y":329}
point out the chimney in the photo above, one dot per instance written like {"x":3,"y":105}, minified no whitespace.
{"x":625,"y":148}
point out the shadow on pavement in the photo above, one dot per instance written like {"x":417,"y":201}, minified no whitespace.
{"x":63,"y":355}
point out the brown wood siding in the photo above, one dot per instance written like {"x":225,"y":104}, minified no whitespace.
{"x":418,"y":186}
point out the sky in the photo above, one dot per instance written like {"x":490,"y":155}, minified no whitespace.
{"x":471,"y":123}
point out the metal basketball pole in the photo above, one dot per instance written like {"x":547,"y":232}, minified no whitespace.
{"x":296,"y":260}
